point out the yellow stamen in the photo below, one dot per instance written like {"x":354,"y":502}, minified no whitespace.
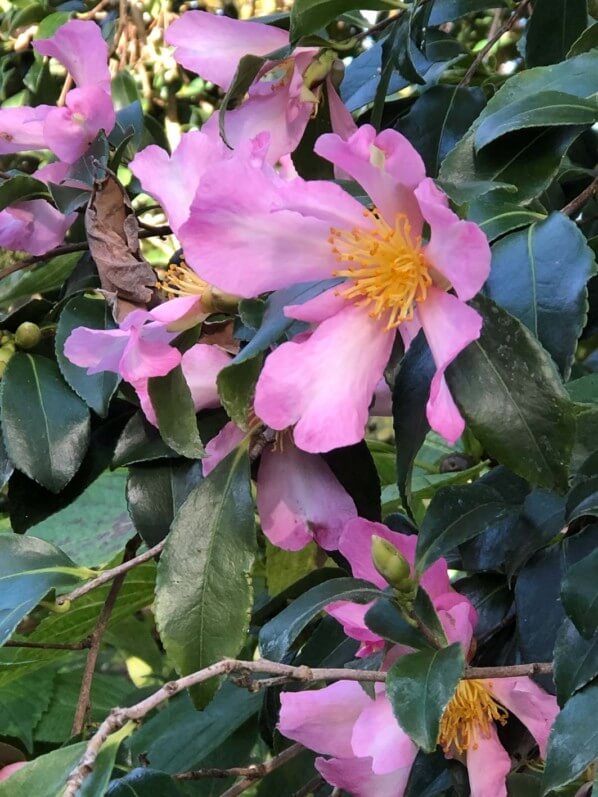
{"x":181,"y":281}
{"x":389,"y":273}
{"x":470,"y":713}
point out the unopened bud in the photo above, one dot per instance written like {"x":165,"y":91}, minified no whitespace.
{"x":391,"y":564}
{"x":28,"y":335}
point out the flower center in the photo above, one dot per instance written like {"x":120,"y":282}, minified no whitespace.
{"x":388,"y":271}
{"x":180,"y":280}
{"x":471,"y":711}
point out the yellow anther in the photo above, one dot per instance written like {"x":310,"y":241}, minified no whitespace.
{"x":469,"y":715}
{"x":180,"y":280}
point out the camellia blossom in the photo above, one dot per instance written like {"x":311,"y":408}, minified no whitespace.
{"x":285,"y":93}
{"x":67,"y":131}
{"x":284,"y":232}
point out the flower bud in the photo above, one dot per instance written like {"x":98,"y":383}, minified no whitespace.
{"x":28,"y":335}
{"x":391,"y":564}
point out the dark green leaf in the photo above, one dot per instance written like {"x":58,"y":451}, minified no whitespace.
{"x":308,"y":16}
{"x":236,"y":388}
{"x":387,"y":68}
{"x":523,"y":784}
{"x":96,"y":390}
{"x":449,"y":10}
{"x":22,"y":706}
{"x":20,"y":188}
{"x":575,"y":661}
{"x":579,"y":592}
{"x":144,"y":782}
{"x":527,"y":280}
{"x":491,"y":598}
{"x":6,"y":466}
{"x":583,"y":499}
{"x":245,"y":74}
{"x":587,"y":41}
{"x":553,"y":28}
{"x":354,"y":467}
{"x":29,"y":568}
{"x":573,"y":742}
{"x":204,"y":592}
{"x":43,"y":277}
{"x":542,"y":519}
{"x":362,"y":77}
{"x":497,"y":217}
{"x":510,"y":394}
{"x":547,"y":108}
{"x":420,"y":686}
{"x":429,"y":776}
{"x":385,"y":619}
{"x":140,"y":442}
{"x":173,"y":404}
{"x":45,"y":425}
{"x":277,"y":636}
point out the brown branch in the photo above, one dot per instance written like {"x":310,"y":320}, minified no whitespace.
{"x":572,"y":207}
{"x":518,"y":11}
{"x":119,"y":717}
{"x":310,"y":787}
{"x":265,"y":769}
{"x":83,"y":645}
{"x":84,"y":701}
{"x":251,"y":773}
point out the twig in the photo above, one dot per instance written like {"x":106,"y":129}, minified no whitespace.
{"x":119,"y":717}
{"x":251,"y":773}
{"x":520,"y":8}
{"x":115,"y":572}
{"x":83,"y":645}
{"x":378,"y":27}
{"x":269,"y":766}
{"x":84,"y":701}
{"x":310,"y":787}
{"x":572,"y":207}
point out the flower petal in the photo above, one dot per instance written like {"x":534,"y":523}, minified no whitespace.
{"x":201,"y":365}
{"x":385,"y":164}
{"x":356,"y":777}
{"x":81,"y":49}
{"x":180,"y":313}
{"x":23,"y":128}
{"x":458,"y":249}
{"x":377,"y":734}
{"x":488,"y":765}
{"x":323,"y":719}
{"x":352,"y":618}
{"x":535,"y":708}
{"x":220,"y":446}
{"x":318,"y":309}
{"x":213,"y":45}
{"x":449,"y":326}
{"x":143,"y":358}
{"x":320,"y":385}
{"x":355,"y":545}
{"x":33,"y":226}
{"x":341,"y":119}
{"x":70,"y":130}
{"x":96,"y":349}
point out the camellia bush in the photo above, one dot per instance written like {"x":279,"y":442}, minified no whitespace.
{"x":299,"y":399}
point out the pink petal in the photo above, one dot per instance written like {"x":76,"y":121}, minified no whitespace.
{"x":213,"y":45}
{"x":355,"y":545}
{"x":341,"y":119}
{"x":382,"y":406}
{"x":378,"y":734}
{"x":323,"y":719}
{"x":488,"y":765}
{"x":9,"y":769}
{"x":320,"y":385}
{"x":96,"y":349}
{"x":143,"y":358}
{"x":535,"y":708}
{"x":173,"y":179}
{"x":178,"y":314}
{"x":80,"y":48}
{"x":449,"y":326}
{"x":352,"y":618}
{"x":458,"y":618}
{"x":23,"y":128}
{"x":319,"y":308}
{"x":355,"y":775}
{"x":54,"y":172}
{"x":201,"y":365}
{"x":220,"y":446}
{"x":33,"y":226}
{"x":458,"y":249}
{"x":385,"y":164}
{"x":71,"y":129}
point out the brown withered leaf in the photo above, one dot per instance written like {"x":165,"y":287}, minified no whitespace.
{"x":113,"y":237}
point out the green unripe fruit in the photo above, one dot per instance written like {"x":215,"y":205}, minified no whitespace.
{"x":28,"y":335}
{"x":391,"y":564}
{"x":5,"y":355}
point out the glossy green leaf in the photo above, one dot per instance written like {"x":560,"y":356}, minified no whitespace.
{"x":573,"y":741}
{"x":579,"y":592}
{"x":22,"y":187}
{"x":308,"y":16}
{"x":354,"y":468}
{"x":236,"y":388}
{"x":204,"y":592}
{"x":385,"y":619}
{"x":497,"y":217}
{"x":586,"y":41}
{"x":420,"y":686}
{"x":144,"y":782}
{"x":246,"y":72}
{"x":43,"y":277}
{"x":553,"y":27}
{"x":575,"y":661}
{"x":583,"y":499}
{"x":449,"y":10}
{"x":22,"y":706}
{"x":511,"y":396}
{"x":44,"y":424}
{"x":172,"y":401}
{"x":96,"y":390}
{"x":140,"y":442}
{"x":278,"y":635}
{"x":526,"y":279}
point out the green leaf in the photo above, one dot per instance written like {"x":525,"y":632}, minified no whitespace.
{"x":96,"y":390}
{"x":573,"y":741}
{"x":420,"y":686}
{"x":547,"y":108}
{"x":583,"y":499}
{"x":45,"y":425}
{"x":277,"y":636}
{"x":497,"y":217}
{"x":449,"y":10}
{"x":575,"y":661}
{"x":554,"y":26}
{"x":245,"y":74}
{"x":172,"y":401}
{"x":22,"y":706}
{"x":587,"y":41}
{"x":354,"y":468}
{"x":144,"y":782}
{"x":511,"y":396}
{"x":46,"y":276}
{"x":579,"y":592}
{"x":527,"y":280}
{"x":236,"y":388}
{"x":140,"y":442}
{"x":20,"y":188}
{"x":204,"y":592}
{"x":457,"y":514}
{"x":308,"y":16}
{"x":385,"y":619}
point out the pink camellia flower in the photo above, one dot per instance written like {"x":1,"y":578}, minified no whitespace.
{"x":299,"y":499}
{"x":9,"y":769}
{"x":68,"y":131}
{"x":285,"y":232}
{"x":286,"y":92}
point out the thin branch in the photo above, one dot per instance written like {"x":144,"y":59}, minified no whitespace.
{"x":310,"y":787}
{"x":107,"y":575}
{"x":265,"y":769}
{"x":119,"y":717}
{"x":251,"y":773}
{"x":83,"y":645}
{"x":519,"y":9}
{"x":84,"y":701}
{"x":572,"y":207}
